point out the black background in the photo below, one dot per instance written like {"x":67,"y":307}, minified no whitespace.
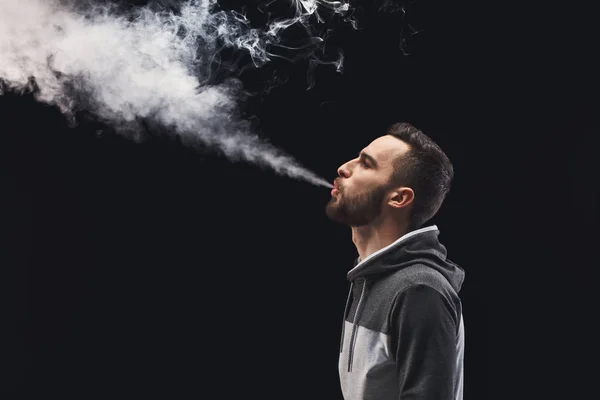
{"x":151,"y":269}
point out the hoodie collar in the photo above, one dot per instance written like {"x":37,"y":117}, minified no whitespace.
{"x":359,"y":263}
{"x":421,"y":246}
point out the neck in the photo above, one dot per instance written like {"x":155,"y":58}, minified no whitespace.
{"x":370,"y":238}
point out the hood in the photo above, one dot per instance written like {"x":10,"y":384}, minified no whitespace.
{"x":421,"y":246}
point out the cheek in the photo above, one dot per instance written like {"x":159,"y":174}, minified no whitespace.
{"x":353,"y":188}
{"x":362,"y":183}
{"x":359,"y":181}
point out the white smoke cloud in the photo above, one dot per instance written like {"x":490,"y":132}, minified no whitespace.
{"x":148,"y":65}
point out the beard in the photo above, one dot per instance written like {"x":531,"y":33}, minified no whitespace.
{"x":356,"y":209}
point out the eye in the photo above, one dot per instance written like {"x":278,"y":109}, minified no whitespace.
{"x":364,"y":163}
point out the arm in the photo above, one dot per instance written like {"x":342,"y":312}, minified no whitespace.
{"x":424,"y":329}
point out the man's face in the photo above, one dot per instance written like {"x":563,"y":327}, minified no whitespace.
{"x":364,"y":182}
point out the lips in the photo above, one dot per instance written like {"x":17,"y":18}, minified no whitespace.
{"x":336,"y":188}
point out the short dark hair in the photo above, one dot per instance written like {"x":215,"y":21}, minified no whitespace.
{"x":425,"y":168}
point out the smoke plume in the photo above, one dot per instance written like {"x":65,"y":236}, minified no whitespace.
{"x":150,"y":64}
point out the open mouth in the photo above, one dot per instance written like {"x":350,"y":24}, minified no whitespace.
{"x":336,"y":188}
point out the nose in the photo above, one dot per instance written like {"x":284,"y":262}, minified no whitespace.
{"x":343,"y":171}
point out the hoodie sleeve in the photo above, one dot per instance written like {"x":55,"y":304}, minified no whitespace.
{"x":424,"y":329}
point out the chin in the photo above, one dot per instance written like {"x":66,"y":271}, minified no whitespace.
{"x":333,"y":213}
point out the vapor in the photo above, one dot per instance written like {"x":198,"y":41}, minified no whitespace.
{"x":149,"y":64}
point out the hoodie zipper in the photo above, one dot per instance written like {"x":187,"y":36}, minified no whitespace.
{"x":354,"y":326}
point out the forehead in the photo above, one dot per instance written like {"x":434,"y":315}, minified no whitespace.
{"x":386,"y":149}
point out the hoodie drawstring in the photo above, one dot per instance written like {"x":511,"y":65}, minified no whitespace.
{"x":354,"y":326}
{"x":346,"y":309}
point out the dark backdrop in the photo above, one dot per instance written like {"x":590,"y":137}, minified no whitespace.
{"x":150,"y":269}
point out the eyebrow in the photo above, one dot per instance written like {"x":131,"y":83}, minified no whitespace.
{"x":368,"y":157}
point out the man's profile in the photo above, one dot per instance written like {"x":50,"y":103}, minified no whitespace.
{"x":403,"y":330}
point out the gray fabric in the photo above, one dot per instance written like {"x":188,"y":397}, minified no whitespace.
{"x":370,"y":338}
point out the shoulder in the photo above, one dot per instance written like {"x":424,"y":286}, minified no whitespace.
{"x":420,"y":284}
{"x":416,"y":276}
{"x":423,"y":304}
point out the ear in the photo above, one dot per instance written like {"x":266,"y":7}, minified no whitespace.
{"x":401,"y":197}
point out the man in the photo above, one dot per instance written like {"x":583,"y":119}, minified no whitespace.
{"x":403,"y":332}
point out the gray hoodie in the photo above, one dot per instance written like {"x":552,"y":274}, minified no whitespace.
{"x":403,"y":331}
